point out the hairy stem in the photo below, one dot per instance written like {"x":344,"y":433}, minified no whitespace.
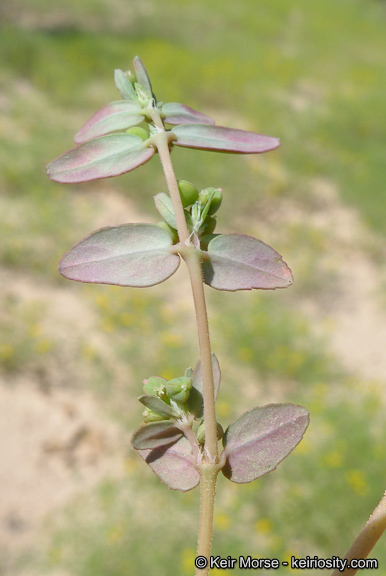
{"x":162,"y":142}
{"x":368,"y":537}
{"x":192,"y":257}
{"x":208,"y":490}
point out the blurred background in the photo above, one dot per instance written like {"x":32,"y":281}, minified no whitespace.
{"x":74,"y":499}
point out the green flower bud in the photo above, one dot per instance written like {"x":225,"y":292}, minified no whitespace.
{"x":138,"y":131}
{"x":200,"y":435}
{"x":208,"y":226}
{"x":178,"y":389}
{"x":171,"y":231}
{"x":188,"y":192}
{"x":150,"y":416}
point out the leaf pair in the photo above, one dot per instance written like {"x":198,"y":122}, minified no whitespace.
{"x":141,"y":255}
{"x":115,"y":154}
{"x":105,"y":150}
{"x":254,"y":445}
{"x":122,"y":114}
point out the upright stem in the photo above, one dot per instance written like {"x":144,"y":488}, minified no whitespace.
{"x":369,"y":536}
{"x":208,"y":489}
{"x":192,"y":257}
{"x":162,"y":142}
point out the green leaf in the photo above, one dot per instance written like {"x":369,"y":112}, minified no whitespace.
{"x":142,"y":76}
{"x":260,"y":439}
{"x":173,"y":464}
{"x":223,"y":139}
{"x":125,"y":87}
{"x":103,"y":157}
{"x":128,"y":255}
{"x":114,"y":116}
{"x":164,"y":205}
{"x":180,"y":114}
{"x":241,"y":262}
{"x":154,"y":435}
{"x":195,"y":403}
{"x":159,"y":406}
{"x":189,"y":372}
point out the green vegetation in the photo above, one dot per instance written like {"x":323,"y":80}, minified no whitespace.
{"x":312,"y":75}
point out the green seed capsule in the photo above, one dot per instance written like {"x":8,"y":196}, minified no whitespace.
{"x":200,"y":435}
{"x":138,"y":131}
{"x":213,"y":196}
{"x":220,"y":431}
{"x":150,"y":416}
{"x":216,"y":201}
{"x":178,"y":389}
{"x":188,"y":192}
{"x":154,"y":386}
{"x":208,"y":226}
{"x":205,"y":195}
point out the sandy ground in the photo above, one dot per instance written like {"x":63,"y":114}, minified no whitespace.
{"x":355,"y":309}
{"x":53,"y":445}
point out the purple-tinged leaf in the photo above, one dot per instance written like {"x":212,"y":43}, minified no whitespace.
{"x":125,"y":87}
{"x":173,"y":465}
{"x":154,"y":435}
{"x":114,"y":116}
{"x":223,"y":139}
{"x":142,"y":76}
{"x":260,"y":439}
{"x":128,"y":255}
{"x":158,"y":406}
{"x":241,"y":262}
{"x":103,"y":157}
{"x":195,"y":403}
{"x":180,"y":114}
